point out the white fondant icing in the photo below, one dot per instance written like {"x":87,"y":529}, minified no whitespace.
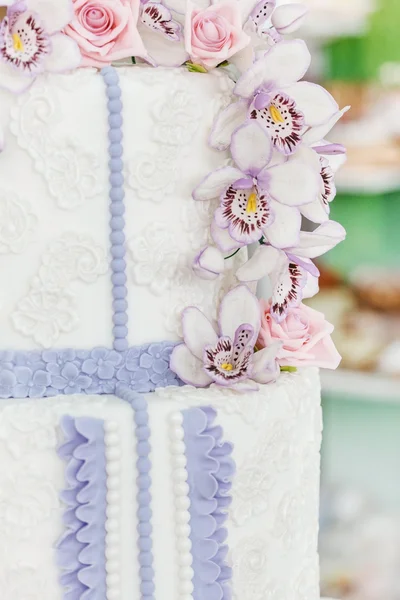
{"x":31,"y":479}
{"x":56,"y":161}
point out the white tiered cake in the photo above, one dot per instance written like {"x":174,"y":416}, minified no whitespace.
{"x":134,"y":465}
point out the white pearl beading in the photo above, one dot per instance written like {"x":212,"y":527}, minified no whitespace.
{"x":113,"y":510}
{"x":182,"y":506}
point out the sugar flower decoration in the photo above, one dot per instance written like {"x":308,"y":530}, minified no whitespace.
{"x":106,"y":30}
{"x":272,"y":94}
{"x":31,"y":43}
{"x":292,"y":273}
{"x":262,"y":196}
{"x":226,"y":356}
{"x":305,"y":336}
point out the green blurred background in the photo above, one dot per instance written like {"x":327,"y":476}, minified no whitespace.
{"x":356,"y":44}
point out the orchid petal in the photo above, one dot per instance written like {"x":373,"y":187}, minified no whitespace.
{"x":13,"y":80}
{"x":243,"y":59}
{"x":251,"y":148}
{"x":297,"y":181}
{"x":289,"y":17}
{"x":319,"y":241}
{"x":178,"y":6}
{"x":188,"y":368}
{"x":53,"y":18}
{"x":316,"y":211}
{"x":223,"y":239}
{"x":265,"y":367}
{"x":325,"y":148}
{"x":225,"y":124}
{"x":284,"y":64}
{"x":209,"y":264}
{"x":261,"y":12}
{"x":284,"y":230}
{"x":214,"y":184}
{"x":315,"y":134}
{"x":315,"y":102}
{"x":162,"y":51}
{"x":237,"y":307}
{"x":263,"y":262}
{"x":197,"y":331}
{"x":311,"y":287}
{"x":65,"y":54}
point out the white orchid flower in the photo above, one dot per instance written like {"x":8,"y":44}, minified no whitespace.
{"x":292,"y":273}
{"x":262,"y":195}
{"x":31,"y":42}
{"x":225,"y":357}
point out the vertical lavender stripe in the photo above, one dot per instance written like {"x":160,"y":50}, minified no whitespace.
{"x":210,"y":469}
{"x":81,"y":550}
{"x":117,"y":209}
{"x":143,"y":466}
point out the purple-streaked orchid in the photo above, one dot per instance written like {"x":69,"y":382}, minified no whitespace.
{"x":267,"y":23}
{"x":331,"y":157}
{"x":271,"y":93}
{"x":262,"y":196}
{"x":225,"y":357}
{"x":292,"y":273}
{"x":158,"y":18}
{"x":31,"y":42}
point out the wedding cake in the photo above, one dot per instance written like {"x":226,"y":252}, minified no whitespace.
{"x":160,"y":426}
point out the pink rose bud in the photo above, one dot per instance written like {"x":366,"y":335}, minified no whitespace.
{"x":214,"y":34}
{"x":209,"y":264}
{"x":106,"y":30}
{"x":289,"y":17}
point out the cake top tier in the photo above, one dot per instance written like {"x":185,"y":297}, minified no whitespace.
{"x":39,"y":35}
{"x":251,"y":153}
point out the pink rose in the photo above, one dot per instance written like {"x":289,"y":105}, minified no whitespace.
{"x":106,"y":30}
{"x":305,"y":335}
{"x":214,"y":34}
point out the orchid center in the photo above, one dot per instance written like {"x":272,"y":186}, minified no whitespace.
{"x":251,"y":207}
{"x":227,"y":366}
{"x":276,"y":114}
{"x":17,"y":43}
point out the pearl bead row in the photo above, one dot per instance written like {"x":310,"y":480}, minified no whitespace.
{"x":182,"y":506}
{"x":113,"y":524}
{"x":117,"y":209}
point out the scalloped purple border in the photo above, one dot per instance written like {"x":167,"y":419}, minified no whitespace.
{"x":39,"y":373}
{"x":210,"y":468}
{"x":81,"y":550}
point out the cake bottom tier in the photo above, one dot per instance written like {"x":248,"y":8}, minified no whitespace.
{"x":176,"y":495}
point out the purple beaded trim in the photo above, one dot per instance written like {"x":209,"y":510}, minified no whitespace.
{"x":81,"y":551}
{"x":35,"y":374}
{"x":210,"y":468}
{"x":117,"y":209}
{"x":144,"y":512}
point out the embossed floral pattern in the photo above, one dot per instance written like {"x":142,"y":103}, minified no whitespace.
{"x":251,"y":568}
{"x":102,"y":363}
{"x":50,"y":307}
{"x":156,"y":258}
{"x":176,"y":118}
{"x":32,"y":429}
{"x":17,"y":222}
{"x":25,"y":501}
{"x":27,"y":582}
{"x":71,"y":172}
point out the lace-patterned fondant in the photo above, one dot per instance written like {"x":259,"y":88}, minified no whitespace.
{"x":17,"y":222}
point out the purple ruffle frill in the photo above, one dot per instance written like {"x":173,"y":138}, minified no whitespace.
{"x":81,"y":550}
{"x":210,"y":468}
